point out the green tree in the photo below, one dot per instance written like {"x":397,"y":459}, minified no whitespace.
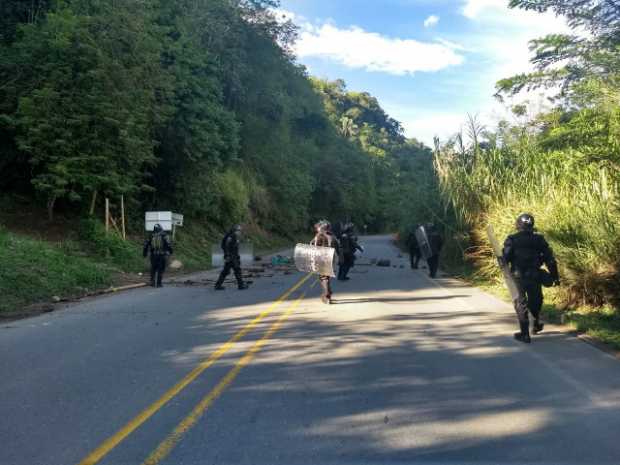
{"x":202,"y":136}
{"x":570,"y":60}
{"x":86,"y":121}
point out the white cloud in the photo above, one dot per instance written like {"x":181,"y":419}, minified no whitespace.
{"x":500,"y":14}
{"x":356,"y":48}
{"x":445,"y":125}
{"x":495,"y":46}
{"x":425,"y":127}
{"x":473,"y":8}
{"x":425,"y":123}
{"x":431,"y":21}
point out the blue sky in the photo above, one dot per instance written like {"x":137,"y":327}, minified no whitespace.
{"x":429,"y":62}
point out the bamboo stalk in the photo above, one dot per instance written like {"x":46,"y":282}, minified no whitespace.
{"x":107,"y":214}
{"x":123,"y":217}
{"x":92,"y":203}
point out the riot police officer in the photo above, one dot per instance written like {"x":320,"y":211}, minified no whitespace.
{"x":414,"y":249}
{"x":158,"y":246}
{"x":232,"y":259}
{"x":324,"y":238}
{"x":348,"y":247}
{"x":337,"y":229}
{"x":525,"y":252}
{"x":436,"y":244}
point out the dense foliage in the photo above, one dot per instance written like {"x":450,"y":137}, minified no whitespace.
{"x":194,"y":105}
{"x":563,"y":165}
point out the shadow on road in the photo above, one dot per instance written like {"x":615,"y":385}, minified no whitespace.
{"x":441,"y":392}
{"x":385,"y":300}
{"x":438,"y":381}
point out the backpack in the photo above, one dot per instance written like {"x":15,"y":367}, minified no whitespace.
{"x":158,"y":244}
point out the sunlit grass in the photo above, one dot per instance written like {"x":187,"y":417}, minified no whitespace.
{"x":576,"y":204}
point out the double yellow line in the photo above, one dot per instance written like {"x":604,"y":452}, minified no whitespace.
{"x":168,"y":444}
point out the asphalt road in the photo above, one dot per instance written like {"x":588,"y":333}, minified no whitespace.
{"x":400,"y":369}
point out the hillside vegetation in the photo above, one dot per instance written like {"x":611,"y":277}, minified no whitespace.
{"x":196,"y":106}
{"x":193,"y":106}
{"x":561,"y":165}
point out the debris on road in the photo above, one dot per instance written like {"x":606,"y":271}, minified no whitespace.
{"x":280,"y":260}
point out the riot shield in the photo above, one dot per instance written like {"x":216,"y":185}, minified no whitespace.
{"x":246,"y":252}
{"x":423,"y":243}
{"x":497,"y":251}
{"x":314,"y":259}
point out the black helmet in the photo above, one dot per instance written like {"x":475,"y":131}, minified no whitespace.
{"x":525,"y":222}
{"x":157,"y":228}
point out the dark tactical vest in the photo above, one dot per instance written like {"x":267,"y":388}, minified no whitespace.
{"x":158,"y":244}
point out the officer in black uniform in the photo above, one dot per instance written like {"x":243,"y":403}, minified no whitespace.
{"x":436,"y":243}
{"x":337,"y":229}
{"x":414,"y":249}
{"x":158,"y":246}
{"x":525,"y":252}
{"x":232,"y":259}
{"x":348,"y":247}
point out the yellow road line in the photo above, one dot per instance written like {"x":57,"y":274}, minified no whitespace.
{"x":166,"y":446}
{"x":114,"y":440}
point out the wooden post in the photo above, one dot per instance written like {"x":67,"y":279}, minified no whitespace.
{"x":115,"y":226}
{"x":107,"y":214}
{"x":123,"y":217}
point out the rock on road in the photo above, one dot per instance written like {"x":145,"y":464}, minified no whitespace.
{"x":400,"y":369}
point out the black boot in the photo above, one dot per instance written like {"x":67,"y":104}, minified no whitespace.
{"x":524,"y":334}
{"x":538,"y":327}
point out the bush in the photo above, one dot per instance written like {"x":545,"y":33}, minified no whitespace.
{"x":110,"y":246}
{"x":233,"y":198}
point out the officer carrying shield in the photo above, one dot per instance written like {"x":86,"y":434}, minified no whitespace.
{"x":525,"y":252}
{"x":158,"y":246}
{"x":414,"y":249}
{"x":324,"y":238}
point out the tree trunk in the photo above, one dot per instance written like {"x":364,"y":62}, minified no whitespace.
{"x":50,"y":207}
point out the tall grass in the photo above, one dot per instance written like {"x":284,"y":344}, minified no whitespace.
{"x":574,"y":199}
